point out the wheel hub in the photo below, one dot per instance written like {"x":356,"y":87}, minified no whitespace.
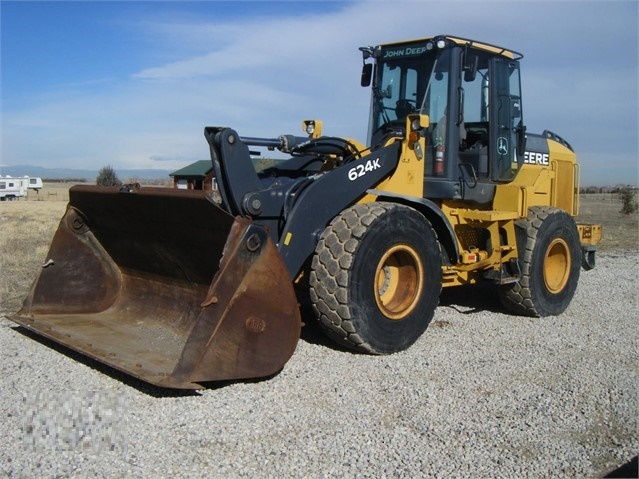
{"x":557,"y":263}
{"x":399,"y":280}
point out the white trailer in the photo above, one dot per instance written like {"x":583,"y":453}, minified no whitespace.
{"x":35,"y":183}
{"x":13,"y":187}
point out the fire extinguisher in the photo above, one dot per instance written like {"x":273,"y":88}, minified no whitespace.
{"x":439,"y":160}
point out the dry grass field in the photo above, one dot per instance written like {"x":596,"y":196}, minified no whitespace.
{"x":620,"y":232}
{"x":27,"y":227}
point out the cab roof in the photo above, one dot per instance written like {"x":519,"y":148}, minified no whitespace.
{"x":487,"y":47}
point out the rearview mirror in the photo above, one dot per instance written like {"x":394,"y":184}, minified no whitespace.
{"x":470,"y":68}
{"x":367,"y":74}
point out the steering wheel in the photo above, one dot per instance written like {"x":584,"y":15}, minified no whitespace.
{"x":403,"y":108}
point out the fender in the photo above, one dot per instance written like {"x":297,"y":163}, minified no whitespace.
{"x":433,"y":214}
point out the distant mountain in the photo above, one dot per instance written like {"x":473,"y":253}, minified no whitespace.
{"x":71,"y":173}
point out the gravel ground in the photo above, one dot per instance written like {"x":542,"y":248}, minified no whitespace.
{"x":481,"y":394}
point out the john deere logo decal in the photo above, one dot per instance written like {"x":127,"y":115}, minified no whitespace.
{"x":502,"y":146}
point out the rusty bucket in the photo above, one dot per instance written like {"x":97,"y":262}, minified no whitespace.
{"x":166,"y":286}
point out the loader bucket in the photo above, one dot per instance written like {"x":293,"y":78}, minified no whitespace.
{"x":166,"y":286}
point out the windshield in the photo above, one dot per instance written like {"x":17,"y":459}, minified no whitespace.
{"x":410,"y":79}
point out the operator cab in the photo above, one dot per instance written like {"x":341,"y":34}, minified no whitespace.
{"x":472,"y":95}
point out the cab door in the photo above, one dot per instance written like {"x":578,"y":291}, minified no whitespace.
{"x":506,"y":121}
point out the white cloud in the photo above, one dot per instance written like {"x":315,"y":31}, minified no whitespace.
{"x":264,"y":75}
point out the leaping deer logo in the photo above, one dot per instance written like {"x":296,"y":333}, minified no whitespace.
{"x":502,"y":146}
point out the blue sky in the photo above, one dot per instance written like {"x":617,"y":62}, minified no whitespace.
{"x":132,"y":84}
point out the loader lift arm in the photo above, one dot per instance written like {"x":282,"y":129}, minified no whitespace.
{"x":294,"y":210}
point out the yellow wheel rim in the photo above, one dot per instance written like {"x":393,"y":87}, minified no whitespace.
{"x":557,"y":264}
{"x":399,"y":280}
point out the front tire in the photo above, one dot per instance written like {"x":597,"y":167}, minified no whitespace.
{"x":550,"y":262}
{"x":376,"y":277}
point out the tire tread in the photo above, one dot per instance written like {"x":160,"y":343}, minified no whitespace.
{"x":328,"y":278}
{"x":518,"y":297}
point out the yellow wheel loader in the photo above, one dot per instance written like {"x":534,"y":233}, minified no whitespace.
{"x":178,"y":287}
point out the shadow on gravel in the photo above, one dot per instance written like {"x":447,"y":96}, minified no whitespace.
{"x":629,"y":470}
{"x":481,"y":297}
{"x":146,"y":388}
{"x":463,"y":299}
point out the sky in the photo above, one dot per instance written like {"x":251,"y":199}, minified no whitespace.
{"x":133,"y":84}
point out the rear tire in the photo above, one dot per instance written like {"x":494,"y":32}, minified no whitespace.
{"x":376,"y":277}
{"x":550,"y":262}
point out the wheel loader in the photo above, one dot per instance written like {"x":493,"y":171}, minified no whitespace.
{"x":182,"y":287}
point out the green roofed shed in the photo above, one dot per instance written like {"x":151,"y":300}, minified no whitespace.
{"x":196,"y":176}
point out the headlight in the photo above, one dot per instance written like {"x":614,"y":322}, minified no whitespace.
{"x":310,"y":127}
{"x":313,"y":128}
